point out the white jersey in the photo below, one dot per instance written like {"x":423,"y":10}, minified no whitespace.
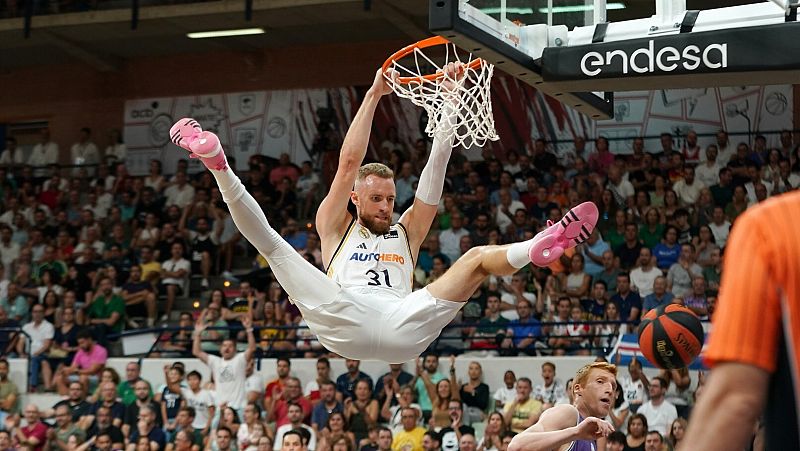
{"x":384,"y":263}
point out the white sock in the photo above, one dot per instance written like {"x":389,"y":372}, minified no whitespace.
{"x":229,"y":184}
{"x":518,"y":253}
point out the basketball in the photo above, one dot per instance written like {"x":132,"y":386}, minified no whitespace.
{"x":670,"y":336}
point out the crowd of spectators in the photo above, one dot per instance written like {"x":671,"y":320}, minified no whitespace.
{"x":88,"y":250}
{"x":426,"y":410}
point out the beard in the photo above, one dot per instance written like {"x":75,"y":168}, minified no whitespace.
{"x":374,"y":227}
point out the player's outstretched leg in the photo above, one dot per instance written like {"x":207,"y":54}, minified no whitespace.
{"x":469,"y":271}
{"x":298,"y":277}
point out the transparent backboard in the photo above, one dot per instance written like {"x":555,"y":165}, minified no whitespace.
{"x":511,"y":34}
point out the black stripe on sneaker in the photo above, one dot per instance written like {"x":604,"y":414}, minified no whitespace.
{"x":563,"y":224}
{"x":574,"y":216}
{"x":585,"y":230}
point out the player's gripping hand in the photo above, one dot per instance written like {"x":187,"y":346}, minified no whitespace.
{"x":592,"y":428}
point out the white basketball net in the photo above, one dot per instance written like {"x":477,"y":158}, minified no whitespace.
{"x":462,"y":111}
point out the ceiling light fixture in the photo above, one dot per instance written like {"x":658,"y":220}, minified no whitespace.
{"x":224,"y":33}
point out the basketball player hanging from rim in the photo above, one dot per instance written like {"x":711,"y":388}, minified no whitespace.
{"x":364,"y":307}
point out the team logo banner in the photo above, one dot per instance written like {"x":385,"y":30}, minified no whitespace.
{"x":627,"y":347}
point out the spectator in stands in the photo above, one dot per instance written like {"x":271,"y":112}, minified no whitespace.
{"x":523,"y":333}
{"x":430,"y":365}
{"x":713,"y":274}
{"x":125,"y":389}
{"x":283,"y":367}
{"x":577,"y":282}
{"x":201,"y":401}
{"x":180,"y":193}
{"x":44,"y":153}
{"x":346,"y":382}
{"x":35,"y":346}
{"x":147,"y":427}
{"x":327,"y":405}
{"x":106,"y":313}
{"x":33,"y":435}
{"x":12,"y":155}
{"x":645,"y":274}
{"x":395,"y":378}
{"x":361,"y":411}
{"x":696,"y":299}
{"x":170,"y":398}
{"x":86,"y":366}
{"x":507,"y":392}
{"x":455,"y":432}
{"x":524,"y":411}
{"x":475,"y":395}
{"x":720,"y":227}
{"x":411,"y":436}
{"x":174,"y":273}
{"x":9,"y":393}
{"x":621,"y":188}
{"x":609,"y":273}
{"x":104,"y":425}
{"x":84,"y":152}
{"x":79,"y":408}
{"x":15,"y":304}
{"x":8,"y":338}
{"x":668,"y":250}
{"x":615,"y":441}
{"x":595,"y":306}
{"x":223,"y":440}
{"x":144,"y":397}
{"x":628,"y":302}
{"x":450,"y":239}
{"x":59,"y":436}
{"x":284,"y":169}
{"x":637,"y":432}
{"x":294,"y":421}
{"x":139,"y":297}
{"x":659,"y":412}
{"x":654,"y":441}
{"x":681,"y":273}
{"x":231,"y":389}
{"x":431,"y":441}
{"x":335,"y":426}
{"x":552,"y":388}
{"x":688,"y":188}
{"x":660,"y":296}
{"x":292,"y":393}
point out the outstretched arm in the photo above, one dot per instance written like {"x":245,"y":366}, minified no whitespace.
{"x":418,"y":218}
{"x":247,"y":322}
{"x":198,"y":352}
{"x":557,"y":427}
{"x":332,"y":215}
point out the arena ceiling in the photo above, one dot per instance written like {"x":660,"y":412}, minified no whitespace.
{"x":104,"y":39}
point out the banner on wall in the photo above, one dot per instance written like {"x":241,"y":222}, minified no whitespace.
{"x":742,"y":110}
{"x":247,"y":123}
{"x":306,"y":122}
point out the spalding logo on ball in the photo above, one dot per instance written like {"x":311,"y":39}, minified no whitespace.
{"x":670,"y":336}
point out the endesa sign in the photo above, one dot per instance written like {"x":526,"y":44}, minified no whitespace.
{"x":764,"y":54}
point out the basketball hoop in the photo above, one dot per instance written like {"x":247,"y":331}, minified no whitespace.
{"x":458,"y":108}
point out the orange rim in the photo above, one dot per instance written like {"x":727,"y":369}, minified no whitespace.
{"x":407,"y":50}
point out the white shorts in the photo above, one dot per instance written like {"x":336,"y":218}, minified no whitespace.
{"x":364,"y":324}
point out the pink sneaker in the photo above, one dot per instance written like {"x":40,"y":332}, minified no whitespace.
{"x":188,"y":134}
{"x":573,"y":229}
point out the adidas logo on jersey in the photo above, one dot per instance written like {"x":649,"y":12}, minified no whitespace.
{"x":362,"y":246}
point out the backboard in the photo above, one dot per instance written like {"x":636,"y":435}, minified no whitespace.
{"x":510,"y":34}
{"x":567,"y":48}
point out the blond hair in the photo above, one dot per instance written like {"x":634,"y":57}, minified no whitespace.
{"x":376,"y":169}
{"x":582,"y":375}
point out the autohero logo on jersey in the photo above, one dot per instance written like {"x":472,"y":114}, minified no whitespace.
{"x":652,"y":59}
{"x":376,"y":257}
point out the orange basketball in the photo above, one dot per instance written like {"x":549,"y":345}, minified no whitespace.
{"x":670,"y":336}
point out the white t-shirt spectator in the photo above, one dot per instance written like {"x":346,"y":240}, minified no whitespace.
{"x":449,"y":242}
{"x":549,"y":394}
{"x":230,"y":377}
{"x":659,"y":418}
{"x":173,"y":266}
{"x":8,"y":254}
{"x":43,"y":155}
{"x":720,"y":232}
{"x":305,"y":183}
{"x":312,"y":442}
{"x":709,"y":176}
{"x":200,"y":401}
{"x":16,"y":156}
{"x":634,"y":390}
{"x":688,"y":194}
{"x":254,"y":383}
{"x":181,"y":197}
{"x":38,"y":334}
{"x":505,"y":395}
{"x":642,"y":281}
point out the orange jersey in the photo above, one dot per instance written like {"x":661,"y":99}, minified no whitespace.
{"x":757,"y":321}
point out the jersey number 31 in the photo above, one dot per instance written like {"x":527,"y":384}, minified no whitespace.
{"x":375,"y":278}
